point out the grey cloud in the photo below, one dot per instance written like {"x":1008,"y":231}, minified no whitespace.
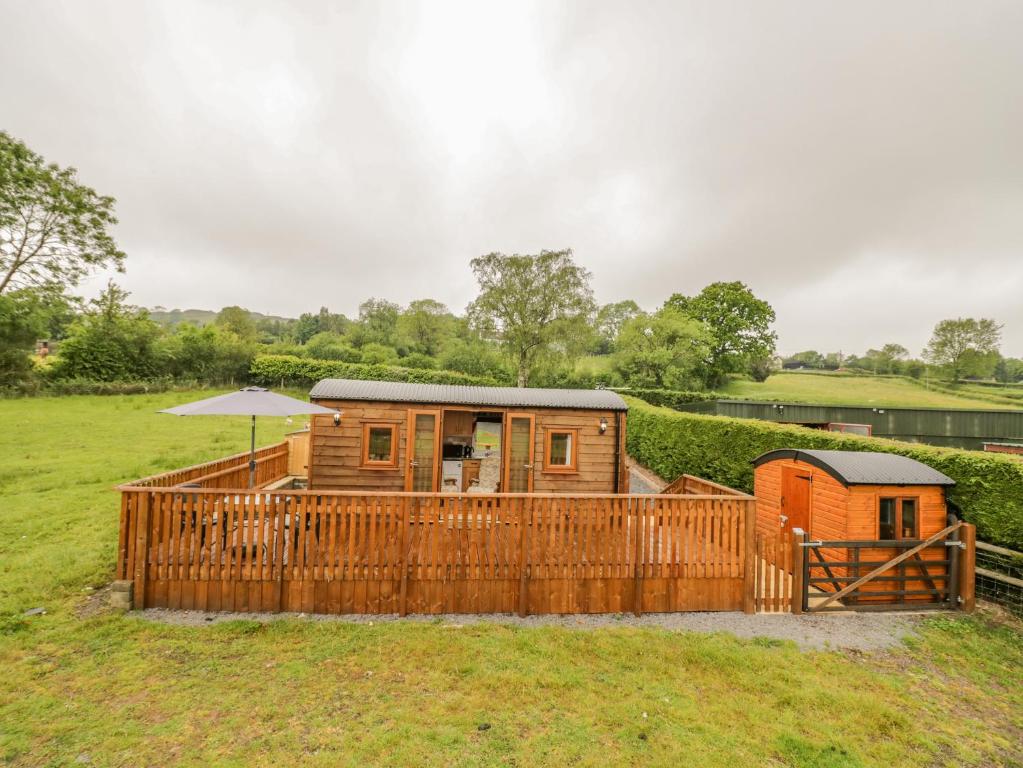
{"x":857,"y":164}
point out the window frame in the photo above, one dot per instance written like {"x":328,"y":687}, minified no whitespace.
{"x":898,"y":517}
{"x":365,"y":462}
{"x":566,"y":469}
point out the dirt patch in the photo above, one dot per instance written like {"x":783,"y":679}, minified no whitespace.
{"x":855,"y":632}
{"x":96,"y":601}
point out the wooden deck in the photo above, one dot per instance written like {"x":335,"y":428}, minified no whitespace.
{"x":196,"y":539}
{"x":217,"y":547}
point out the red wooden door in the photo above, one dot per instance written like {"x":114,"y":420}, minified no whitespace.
{"x":795,"y":498}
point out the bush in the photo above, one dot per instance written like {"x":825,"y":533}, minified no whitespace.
{"x":93,"y":387}
{"x":273,"y":370}
{"x":417,"y":360}
{"x":989,"y":487}
{"x":670,"y":398}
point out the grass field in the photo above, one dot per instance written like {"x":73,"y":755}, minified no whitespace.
{"x":85,"y":687}
{"x":844,"y":389}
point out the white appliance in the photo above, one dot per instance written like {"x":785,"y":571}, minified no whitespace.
{"x":451,"y":476}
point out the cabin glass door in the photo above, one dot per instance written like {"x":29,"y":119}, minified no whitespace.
{"x":519,"y":433}
{"x":424,"y":451}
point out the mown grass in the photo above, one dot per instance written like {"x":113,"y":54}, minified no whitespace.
{"x":845,"y":389}
{"x":107,"y":689}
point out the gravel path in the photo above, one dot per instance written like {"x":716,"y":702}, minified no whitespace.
{"x":642,"y":480}
{"x":844,"y":631}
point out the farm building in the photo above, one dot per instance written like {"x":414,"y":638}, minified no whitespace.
{"x":934,"y":426}
{"x":850,"y":500}
{"x":391,"y":436}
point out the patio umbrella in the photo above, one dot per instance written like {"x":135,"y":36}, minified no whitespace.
{"x":250,"y":401}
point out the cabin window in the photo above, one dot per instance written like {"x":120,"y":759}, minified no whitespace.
{"x":897,"y":519}
{"x":562,"y":448}
{"x":380,"y":445}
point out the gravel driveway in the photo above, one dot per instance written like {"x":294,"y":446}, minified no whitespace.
{"x":842,"y":631}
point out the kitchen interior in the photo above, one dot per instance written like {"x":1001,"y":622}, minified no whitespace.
{"x":471,"y":451}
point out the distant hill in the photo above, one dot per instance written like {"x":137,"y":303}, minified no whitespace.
{"x":200,"y":317}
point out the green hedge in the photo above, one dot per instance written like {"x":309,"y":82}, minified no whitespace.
{"x":670,"y":398}
{"x":989,"y":487}
{"x":287,"y":370}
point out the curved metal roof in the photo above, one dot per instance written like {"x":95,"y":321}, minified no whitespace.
{"x":863,"y":467}
{"x":449,"y":394}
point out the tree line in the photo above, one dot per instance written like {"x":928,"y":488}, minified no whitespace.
{"x":534,"y":320}
{"x":960,"y":348}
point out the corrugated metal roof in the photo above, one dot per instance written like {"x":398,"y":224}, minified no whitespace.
{"x":449,"y":394}
{"x":864,"y":467}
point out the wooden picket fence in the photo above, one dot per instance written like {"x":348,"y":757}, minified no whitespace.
{"x":775,"y":574}
{"x":228,"y":472}
{"x":342,"y":552}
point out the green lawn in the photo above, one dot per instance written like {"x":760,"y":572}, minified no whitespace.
{"x":81,"y":687}
{"x":845,"y":389}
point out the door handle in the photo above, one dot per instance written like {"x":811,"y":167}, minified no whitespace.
{"x":784,"y":519}
{"x":413,"y":463}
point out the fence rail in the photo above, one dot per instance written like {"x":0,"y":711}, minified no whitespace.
{"x":1000,"y":576}
{"x":341,"y":552}
{"x":230,"y":471}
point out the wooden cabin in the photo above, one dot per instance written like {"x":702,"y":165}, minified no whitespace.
{"x":395,"y":436}
{"x":851,"y":496}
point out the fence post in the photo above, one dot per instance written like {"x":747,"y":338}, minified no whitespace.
{"x":750,"y":563}
{"x":967,"y":567}
{"x":797,"y":571}
{"x":637,"y":565}
{"x":403,"y":594}
{"x":523,"y":553}
{"x":141,"y":550}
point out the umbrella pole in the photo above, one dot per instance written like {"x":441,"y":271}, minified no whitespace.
{"x":252,"y":456}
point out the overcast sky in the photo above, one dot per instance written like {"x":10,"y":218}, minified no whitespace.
{"x":859,"y":165}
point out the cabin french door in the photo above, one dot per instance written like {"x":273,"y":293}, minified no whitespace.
{"x":423,"y":451}
{"x":519,"y":434}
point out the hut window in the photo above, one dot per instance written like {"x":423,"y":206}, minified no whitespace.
{"x":562,"y":446}
{"x":379,"y":445}
{"x":897,"y":519}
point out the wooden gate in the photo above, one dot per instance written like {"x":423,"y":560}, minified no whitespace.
{"x":887,"y":575}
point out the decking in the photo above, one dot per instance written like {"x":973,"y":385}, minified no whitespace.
{"x":196,"y":539}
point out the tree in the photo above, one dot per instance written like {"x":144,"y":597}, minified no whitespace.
{"x":328,"y":345}
{"x":739,"y":321}
{"x":473,"y":356}
{"x":1009,"y":370}
{"x":53,"y":230}
{"x":378,"y":323}
{"x":609,"y":322}
{"x":665,"y":349}
{"x":210,"y":354}
{"x":425,"y":325}
{"x":237,"y":320}
{"x":965,"y":346}
{"x":21,"y":323}
{"x":535,"y":305}
{"x":111,"y":341}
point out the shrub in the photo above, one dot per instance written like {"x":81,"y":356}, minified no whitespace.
{"x":299,"y":371}
{"x":417,"y":360}
{"x":670,"y":398}
{"x":989,"y":487}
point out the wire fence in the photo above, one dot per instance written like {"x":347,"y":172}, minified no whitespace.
{"x":1000,"y":576}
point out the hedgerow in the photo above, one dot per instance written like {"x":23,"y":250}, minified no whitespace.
{"x":989,"y":487}
{"x":287,"y":370}
{"x":670,"y":398}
